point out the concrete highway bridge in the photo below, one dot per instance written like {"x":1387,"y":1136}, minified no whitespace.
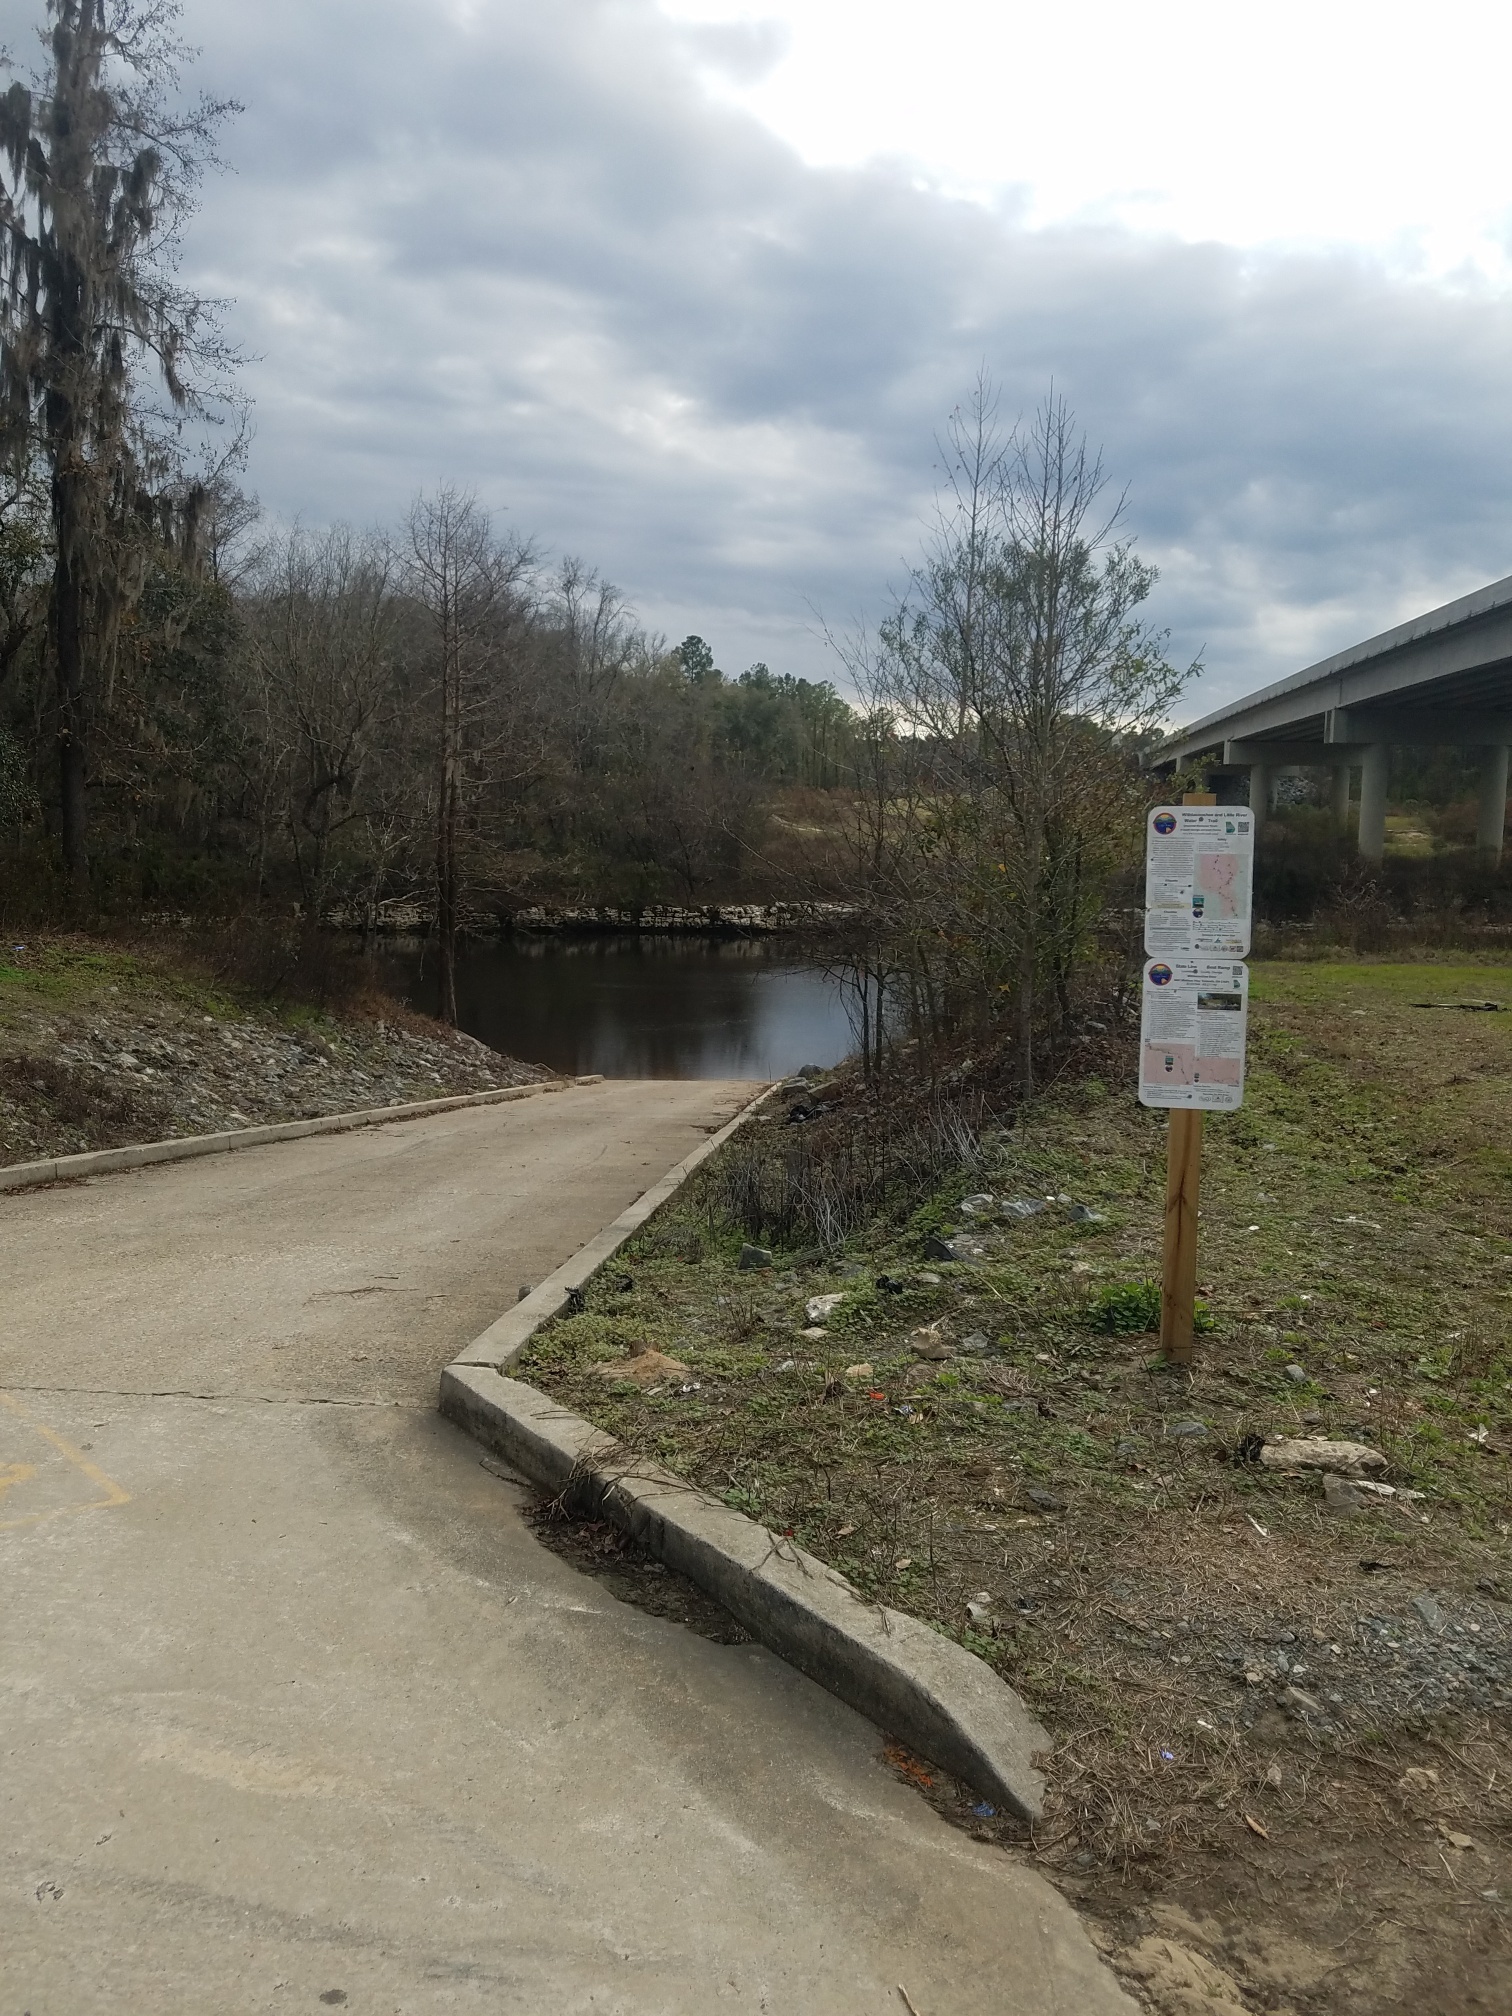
{"x":1443,"y":679}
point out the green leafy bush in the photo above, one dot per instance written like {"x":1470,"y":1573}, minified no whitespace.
{"x":1128,"y":1307}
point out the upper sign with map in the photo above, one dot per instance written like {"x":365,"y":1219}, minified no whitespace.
{"x":1198,"y":869}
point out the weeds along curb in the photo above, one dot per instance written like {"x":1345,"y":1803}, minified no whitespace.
{"x":915,"y":1684}
{"x":100,"y":1161}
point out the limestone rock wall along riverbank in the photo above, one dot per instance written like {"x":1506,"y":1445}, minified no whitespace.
{"x":746,"y":920}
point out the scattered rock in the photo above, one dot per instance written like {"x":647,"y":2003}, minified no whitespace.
{"x":1188,"y":1431}
{"x":810,"y":1071}
{"x":1300,"y":1703}
{"x":1023,"y":1207}
{"x":752,"y":1258}
{"x":645,"y":1367}
{"x":924,"y":1281}
{"x":1428,"y":1609}
{"x":1418,"y":1778}
{"x":979,"y":1206}
{"x":1178,"y":1981}
{"x":1045,"y":1501}
{"x":931,"y":1342}
{"x":1083,"y":1214}
{"x":1317,"y":1452}
{"x":976,"y":1341}
{"x":979,"y":1607}
{"x":814,"y":1330}
{"x":858,"y":1372}
{"x":1341,"y":1495}
{"x":936,"y":1248}
{"x":819,"y":1308}
{"x":1297,"y":1375}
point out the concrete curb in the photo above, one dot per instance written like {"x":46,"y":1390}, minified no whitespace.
{"x":100,"y":1161}
{"x":910,"y":1680}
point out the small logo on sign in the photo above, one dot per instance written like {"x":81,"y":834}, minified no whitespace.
{"x":1160,"y":976}
{"x":1165,"y":822}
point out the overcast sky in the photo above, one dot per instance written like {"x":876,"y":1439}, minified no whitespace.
{"x":689,"y":289}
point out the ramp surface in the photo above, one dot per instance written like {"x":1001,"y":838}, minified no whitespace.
{"x":297,"y":1713}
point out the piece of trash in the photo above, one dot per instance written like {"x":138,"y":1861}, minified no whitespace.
{"x":1453,"y":1836}
{"x":1261,"y":1530}
{"x":1480,"y":1435}
{"x":858,"y":1371}
{"x":905,"y":1410}
{"x":787,"y":1365}
{"x":753,"y":1258}
{"x":819,"y":1308}
{"x":876,"y":1393}
{"x":979,"y":1607}
{"x":908,"y":1766}
{"x":1418,"y":1778}
{"x":1024,"y":1207}
{"x":1273,"y":1777}
{"x":1168,"y":1756}
{"x":845,"y":1532}
{"x":903,"y":1561}
{"x":576,"y":1302}
{"x":984,"y":1811}
{"x":1257,"y":1826}
{"x":978,"y":1206}
{"x":1082,"y":1214}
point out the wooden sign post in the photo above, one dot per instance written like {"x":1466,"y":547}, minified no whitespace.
{"x":1178,"y":1284}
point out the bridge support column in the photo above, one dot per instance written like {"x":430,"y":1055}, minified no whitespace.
{"x":1493,"y":802}
{"x":1259,"y":792}
{"x":1343,"y":777}
{"x":1374,"y":763}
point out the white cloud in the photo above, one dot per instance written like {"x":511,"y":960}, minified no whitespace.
{"x":528,"y":248}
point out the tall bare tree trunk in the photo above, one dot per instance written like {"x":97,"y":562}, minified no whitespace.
{"x":68,"y":618}
{"x":446,"y":819}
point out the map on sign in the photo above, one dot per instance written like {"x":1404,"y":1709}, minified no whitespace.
{"x":1193,"y":1019}
{"x":1199,"y":862}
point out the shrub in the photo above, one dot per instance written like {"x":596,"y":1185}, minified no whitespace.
{"x":1125,"y":1308}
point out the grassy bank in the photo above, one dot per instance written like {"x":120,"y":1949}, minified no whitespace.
{"x":1282,"y":1728}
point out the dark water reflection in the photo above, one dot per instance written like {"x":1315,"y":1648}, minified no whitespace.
{"x":642,"y":1007}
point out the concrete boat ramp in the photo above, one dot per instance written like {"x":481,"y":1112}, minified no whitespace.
{"x":298,"y":1714}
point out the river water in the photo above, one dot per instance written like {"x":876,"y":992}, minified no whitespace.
{"x":641,"y":1006}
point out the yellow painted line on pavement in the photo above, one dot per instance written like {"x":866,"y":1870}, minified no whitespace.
{"x":19,"y":1473}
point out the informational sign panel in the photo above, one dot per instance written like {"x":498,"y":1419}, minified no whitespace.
{"x":1199,"y":868}
{"x":1191,"y":1033}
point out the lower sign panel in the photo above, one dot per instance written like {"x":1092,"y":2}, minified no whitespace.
{"x":1193,"y":1021}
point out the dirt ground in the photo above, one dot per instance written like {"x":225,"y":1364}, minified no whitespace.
{"x":101,"y":1046}
{"x":1282,"y":1770}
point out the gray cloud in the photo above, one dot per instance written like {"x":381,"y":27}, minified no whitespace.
{"x":521,"y":247}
